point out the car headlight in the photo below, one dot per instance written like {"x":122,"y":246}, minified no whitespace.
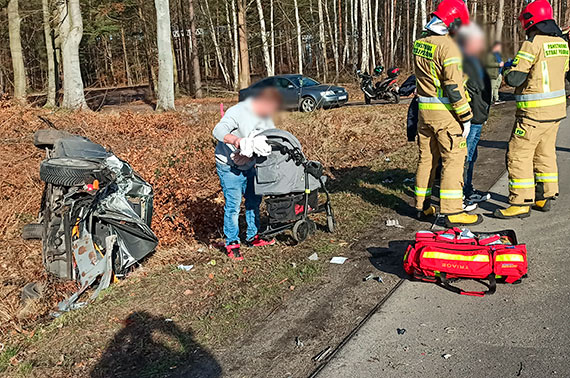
{"x":327,"y":93}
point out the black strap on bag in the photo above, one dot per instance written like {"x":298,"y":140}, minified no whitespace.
{"x":492,"y":286}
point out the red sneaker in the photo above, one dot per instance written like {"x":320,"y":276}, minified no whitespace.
{"x":259,"y":242}
{"x":233,"y":251}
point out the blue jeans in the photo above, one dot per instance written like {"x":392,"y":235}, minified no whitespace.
{"x":472,"y":142}
{"x":237,"y":184}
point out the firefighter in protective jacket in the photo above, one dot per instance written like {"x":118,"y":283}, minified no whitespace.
{"x":444,"y":114}
{"x":538,"y":73}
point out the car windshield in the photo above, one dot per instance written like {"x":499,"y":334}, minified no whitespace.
{"x":303,"y":81}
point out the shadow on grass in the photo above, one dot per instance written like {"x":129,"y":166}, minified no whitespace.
{"x":389,"y":260}
{"x":152,"y":346}
{"x":358,"y":180}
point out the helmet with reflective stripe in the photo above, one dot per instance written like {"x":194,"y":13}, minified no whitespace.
{"x":453,"y":13}
{"x":535,"y":12}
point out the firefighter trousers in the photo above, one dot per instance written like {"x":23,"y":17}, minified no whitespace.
{"x":531,"y":160}
{"x":440,"y":139}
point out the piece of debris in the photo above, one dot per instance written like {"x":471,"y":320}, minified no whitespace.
{"x":201,"y":250}
{"x":322,"y":354}
{"x":393,"y":223}
{"x":446,"y":356}
{"x":408,"y":180}
{"x":212,"y":262}
{"x":32,"y":290}
{"x":373,"y":277}
{"x":401,"y":331}
{"x":520,"y":370}
{"x":188,"y":292}
{"x":185,"y":268}
{"x":449,"y":329}
{"x":338,"y":260}
{"x":388,"y":181}
{"x":293,"y":265}
{"x":168,"y":320}
{"x":314,"y":257}
{"x":387,"y":159}
{"x":298,"y":342}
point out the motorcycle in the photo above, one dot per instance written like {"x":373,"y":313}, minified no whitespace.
{"x":386,"y":89}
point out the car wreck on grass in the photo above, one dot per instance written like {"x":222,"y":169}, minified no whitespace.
{"x":95,"y":214}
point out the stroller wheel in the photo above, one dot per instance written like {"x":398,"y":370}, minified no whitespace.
{"x":301,"y":231}
{"x":312,"y":226}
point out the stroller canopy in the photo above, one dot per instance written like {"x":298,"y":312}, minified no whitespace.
{"x":279,"y":173}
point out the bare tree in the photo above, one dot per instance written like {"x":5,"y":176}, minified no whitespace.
{"x":70,"y":34}
{"x":20,"y":81}
{"x":500,"y":21}
{"x":264,"y":42}
{"x":365,"y":61}
{"x":299,"y":37}
{"x":322,"y":38}
{"x":271,"y":11}
{"x":165,"y":84}
{"x":235,"y":45}
{"x":423,"y":12}
{"x":51,"y":86}
{"x":195,"y":61}
{"x":415,"y":32}
{"x":214,"y":35}
{"x":244,"y":75}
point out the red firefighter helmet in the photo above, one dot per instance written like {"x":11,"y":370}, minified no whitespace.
{"x":453,"y":13}
{"x":535,"y":12}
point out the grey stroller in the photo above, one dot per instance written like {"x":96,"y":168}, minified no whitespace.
{"x":291,"y":185}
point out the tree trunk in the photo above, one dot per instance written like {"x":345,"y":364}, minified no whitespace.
{"x":219,"y":56}
{"x":236,"y":54}
{"x":500,"y":21}
{"x":299,"y":38}
{"x":415,"y":32}
{"x":271,"y":11}
{"x":322,"y":38}
{"x":165,"y":84}
{"x":392,"y":26}
{"x":332,"y":38}
{"x":423,"y":13}
{"x":125,"y":58}
{"x":51,"y":86}
{"x":71,"y":33}
{"x":16,"y":51}
{"x":365,"y":61}
{"x":264,"y":42}
{"x":567,"y":13}
{"x":244,"y":76}
{"x":196,"y":75}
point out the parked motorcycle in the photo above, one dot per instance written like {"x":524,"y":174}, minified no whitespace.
{"x":386,"y":89}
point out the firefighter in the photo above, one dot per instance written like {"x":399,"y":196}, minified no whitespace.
{"x":538,"y":73}
{"x":444,"y":114}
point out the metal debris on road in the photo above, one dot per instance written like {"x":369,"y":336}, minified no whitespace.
{"x":338,"y":260}
{"x":185,"y":268}
{"x":446,"y":356}
{"x":322,"y":354}
{"x":393,"y":223}
{"x":401,"y":331}
{"x":373,"y":277}
{"x":313,"y":257}
{"x":298,"y":342}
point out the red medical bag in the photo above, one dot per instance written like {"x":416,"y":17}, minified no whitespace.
{"x":441,"y":257}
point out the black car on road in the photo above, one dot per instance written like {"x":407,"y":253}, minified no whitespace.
{"x":300,"y":92}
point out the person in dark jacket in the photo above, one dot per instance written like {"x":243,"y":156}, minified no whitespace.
{"x":494,"y":65}
{"x":472,"y":42}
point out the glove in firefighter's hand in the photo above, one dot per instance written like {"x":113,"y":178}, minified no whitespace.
{"x":466,"y":129}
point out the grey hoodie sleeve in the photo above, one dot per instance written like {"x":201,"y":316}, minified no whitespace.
{"x":226,"y":126}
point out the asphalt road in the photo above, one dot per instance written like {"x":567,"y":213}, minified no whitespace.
{"x":521,"y":331}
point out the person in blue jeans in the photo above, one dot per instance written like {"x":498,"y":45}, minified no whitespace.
{"x":236,"y":171}
{"x":472,"y":42}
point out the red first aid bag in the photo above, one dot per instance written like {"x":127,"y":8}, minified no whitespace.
{"x":442,"y":257}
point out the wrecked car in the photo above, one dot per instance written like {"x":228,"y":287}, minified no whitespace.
{"x":95,"y":213}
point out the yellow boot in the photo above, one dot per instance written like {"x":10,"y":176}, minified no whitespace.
{"x":462,"y":219}
{"x":543,"y":205}
{"x":512,"y":211}
{"x":425,"y":214}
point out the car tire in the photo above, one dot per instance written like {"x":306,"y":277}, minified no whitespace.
{"x":308,"y":105}
{"x":33,"y":231}
{"x":68,"y":172}
{"x":46,"y":138}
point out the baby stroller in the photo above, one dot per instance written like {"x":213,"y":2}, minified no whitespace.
{"x":291,"y":184}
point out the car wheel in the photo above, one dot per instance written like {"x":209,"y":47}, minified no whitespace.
{"x":46,"y":138}
{"x":68,"y":172}
{"x":33,"y":231}
{"x":308,"y":105}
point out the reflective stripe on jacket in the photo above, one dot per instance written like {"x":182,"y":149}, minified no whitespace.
{"x":545,"y":61}
{"x":440,"y":79}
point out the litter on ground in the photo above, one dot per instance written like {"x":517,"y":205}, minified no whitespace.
{"x":185,"y":268}
{"x":446,"y":356}
{"x":338,"y":260}
{"x":393,"y":223}
{"x":314,"y":257}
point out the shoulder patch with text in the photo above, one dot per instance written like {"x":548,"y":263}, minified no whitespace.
{"x":552,"y":49}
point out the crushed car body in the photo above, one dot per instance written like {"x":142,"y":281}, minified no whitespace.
{"x":95,"y":213}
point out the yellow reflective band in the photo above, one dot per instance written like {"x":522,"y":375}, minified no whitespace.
{"x":521,"y":183}
{"x":540,"y":103}
{"x":462,"y":109}
{"x":424,"y":49}
{"x":451,"y":194}
{"x":451,"y":256}
{"x":546,"y":177}
{"x":510,"y":257}
{"x":545,"y":78}
{"x":429,"y":106}
{"x":308,"y":191}
{"x":450,"y":61}
{"x":422,"y":192}
{"x":526,"y":56}
{"x":435,"y":79}
{"x":552,"y":49}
